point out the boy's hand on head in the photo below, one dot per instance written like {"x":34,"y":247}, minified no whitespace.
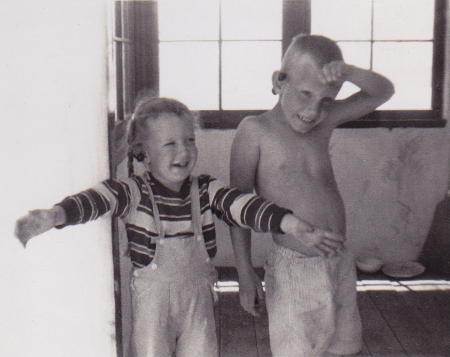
{"x":37,"y":222}
{"x":334,"y":73}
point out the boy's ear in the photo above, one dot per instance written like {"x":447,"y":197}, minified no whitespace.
{"x":276,"y":82}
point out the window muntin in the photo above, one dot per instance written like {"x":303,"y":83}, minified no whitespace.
{"x":247,"y":67}
{"x":227,"y":65}
{"x":189,"y":71}
{"x":400,"y":38}
{"x":394,"y":38}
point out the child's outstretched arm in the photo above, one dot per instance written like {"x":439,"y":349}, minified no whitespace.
{"x":37,"y":222}
{"x":375,"y":90}
{"x":109,"y":198}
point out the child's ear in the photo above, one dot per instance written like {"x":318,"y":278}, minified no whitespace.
{"x":137,"y":151}
{"x":277,"y":81}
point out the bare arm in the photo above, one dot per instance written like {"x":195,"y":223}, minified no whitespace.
{"x":244,"y":161}
{"x":375,"y":90}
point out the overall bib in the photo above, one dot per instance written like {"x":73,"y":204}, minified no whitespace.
{"x":173,"y":297}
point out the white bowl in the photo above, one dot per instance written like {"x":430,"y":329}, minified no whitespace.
{"x":369,"y":264}
{"x":403,"y":270}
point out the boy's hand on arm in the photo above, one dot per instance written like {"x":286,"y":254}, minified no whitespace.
{"x":37,"y":222}
{"x":326,"y":243}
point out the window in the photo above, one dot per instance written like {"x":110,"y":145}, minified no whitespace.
{"x":402,"y":39}
{"x":217,"y":56}
{"x":123,"y":54}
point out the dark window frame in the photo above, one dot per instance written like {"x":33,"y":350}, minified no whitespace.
{"x":293,"y":10}
{"x":296,"y":19}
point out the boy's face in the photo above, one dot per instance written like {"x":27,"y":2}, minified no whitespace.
{"x":304,"y":98}
{"x":171,"y":150}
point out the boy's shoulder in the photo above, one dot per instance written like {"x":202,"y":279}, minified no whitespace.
{"x":254,"y":123}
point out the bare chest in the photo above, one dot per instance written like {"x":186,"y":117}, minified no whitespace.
{"x":294,"y":158}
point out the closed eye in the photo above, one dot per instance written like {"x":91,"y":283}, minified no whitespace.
{"x":170,"y":143}
{"x":327,"y":101}
{"x":306,"y":93}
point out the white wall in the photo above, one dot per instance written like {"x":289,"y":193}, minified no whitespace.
{"x":56,"y":296}
{"x":391,"y":182}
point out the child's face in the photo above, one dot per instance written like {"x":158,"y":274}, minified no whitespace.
{"x":171,"y":150}
{"x":304,"y":98}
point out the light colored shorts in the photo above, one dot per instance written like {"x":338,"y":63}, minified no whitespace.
{"x":311,"y":303}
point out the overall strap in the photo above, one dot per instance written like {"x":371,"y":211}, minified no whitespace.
{"x":195,"y":207}
{"x":156,"y":217}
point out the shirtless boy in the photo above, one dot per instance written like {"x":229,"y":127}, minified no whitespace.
{"x":283,"y":155}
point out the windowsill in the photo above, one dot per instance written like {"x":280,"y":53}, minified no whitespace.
{"x":391,"y":124}
{"x":230,"y":119}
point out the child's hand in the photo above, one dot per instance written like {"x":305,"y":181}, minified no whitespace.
{"x":326,"y":243}
{"x":35,"y":222}
{"x":334,"y":73}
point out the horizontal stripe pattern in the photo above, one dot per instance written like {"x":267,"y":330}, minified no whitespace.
{"x":129,"y":200}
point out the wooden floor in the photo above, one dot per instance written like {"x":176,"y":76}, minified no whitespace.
{"x":408,"y":317}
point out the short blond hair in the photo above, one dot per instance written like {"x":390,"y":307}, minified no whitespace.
{"x":150,"y":107}
{"x":321,"y":48}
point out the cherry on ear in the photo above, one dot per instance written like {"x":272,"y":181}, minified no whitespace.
{"x":140,"y":157}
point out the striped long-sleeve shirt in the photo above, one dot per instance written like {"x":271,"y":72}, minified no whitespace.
{"x":129,"y":200}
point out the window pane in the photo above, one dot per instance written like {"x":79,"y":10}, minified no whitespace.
{"x":189,"y":72}
{"x":251,"y":20}
{"x":358,"y":54}
{"x":342,"y":20}
{"x":403,"y":19}
{"x":180,"y":20}
{"x":247,"y":69}
{"x":408,"y":65}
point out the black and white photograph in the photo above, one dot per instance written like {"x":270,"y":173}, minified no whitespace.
{"x":225,"y":178}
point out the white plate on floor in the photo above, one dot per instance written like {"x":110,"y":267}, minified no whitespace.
{"x":403,"y":270}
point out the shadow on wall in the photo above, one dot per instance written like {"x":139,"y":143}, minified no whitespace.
{"x":436,"y":252}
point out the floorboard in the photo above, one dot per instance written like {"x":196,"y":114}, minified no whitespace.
{"x":262,"y":335}
{"x":400,"y":318}
{"x":377,"y":334}
{"x":237,"y":328}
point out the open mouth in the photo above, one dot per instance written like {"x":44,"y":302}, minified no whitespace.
{"x":181,"y":165}
{"x":305,"y":120}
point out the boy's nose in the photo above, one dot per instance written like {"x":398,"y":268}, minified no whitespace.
{"x":313,"y":110}
{"x":182,"y":150}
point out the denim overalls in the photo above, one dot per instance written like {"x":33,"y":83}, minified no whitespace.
{"x":173,"y":297}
